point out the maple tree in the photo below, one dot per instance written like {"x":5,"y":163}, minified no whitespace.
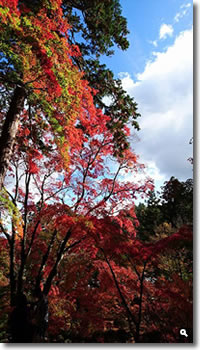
{"x":60,"y":141}
{"x":49,"y":227}
{"x":37,"y":69}
{"x":68,"y":226}
{"x":35,"y":64}
{"x":97,"y":28}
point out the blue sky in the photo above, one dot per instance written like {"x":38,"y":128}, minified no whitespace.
{"x":157,"y":71}
{"x":145,"y":18}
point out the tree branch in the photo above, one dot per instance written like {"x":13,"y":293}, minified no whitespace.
{"x":129,"y":313}
{"x":53,"y":271}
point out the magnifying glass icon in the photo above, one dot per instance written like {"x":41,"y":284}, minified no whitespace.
{"x":183,"y":332}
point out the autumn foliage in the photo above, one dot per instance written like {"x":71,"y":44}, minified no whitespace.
{"x":68,"y":223}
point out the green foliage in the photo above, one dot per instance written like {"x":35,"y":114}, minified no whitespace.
{"x":122,"y":108}
{"x":177,"y":201}
{"x":149,"y":217}
{"x":100,"y":24}
{"x":174,"y":206}
{"x":9,"y":209}
{"x":97,"y":26}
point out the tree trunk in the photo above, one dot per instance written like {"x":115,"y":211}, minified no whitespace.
{"x":9,"y":130}
{"x":137,"y":336}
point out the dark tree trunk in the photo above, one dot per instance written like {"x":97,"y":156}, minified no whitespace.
{"x":19,"y":322}
{"x":9,"y":131}
{"x":137,"y":336}
{"x":53,"y":271}
{"x":12,"y":272}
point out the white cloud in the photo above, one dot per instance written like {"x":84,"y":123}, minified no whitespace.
{"x":165,"y":98}
{"x":154,"y":172}
{"x":128,"y":83}
{"x":186,"y":5}
{"x":151,"y":171}
{"x":179,"y":15}
{"x":165,"y":30}
{"x":154,"y":43}
{"x":184,"y":10}
{"x":107,"y":100}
